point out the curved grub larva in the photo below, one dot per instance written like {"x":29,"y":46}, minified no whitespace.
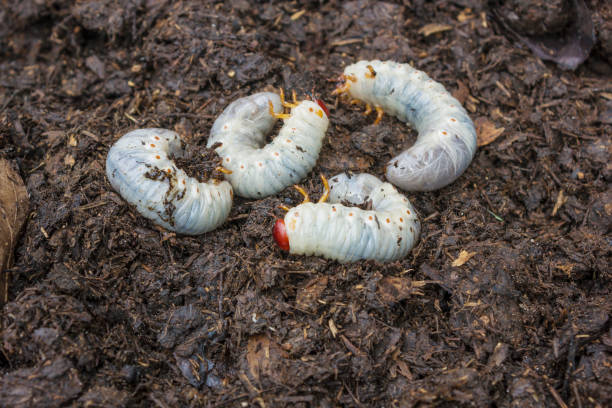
{"x":386,"y":232}
{"x":258,"y":170}
{"x":139,"y":168}
{"x":446,"y":142}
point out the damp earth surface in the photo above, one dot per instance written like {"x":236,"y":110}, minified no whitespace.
{"x":505,"y":301}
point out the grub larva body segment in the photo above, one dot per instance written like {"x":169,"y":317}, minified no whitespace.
{"x":260,"y":169}
{"x":446,"y":142}
{"x":139,"y":168}
{"x":386,"y":232}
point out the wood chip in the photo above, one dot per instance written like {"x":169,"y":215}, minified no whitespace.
{"x":433,"y":28}
{"x":561,"y":199}
{"x":486,"y":131}
{"x":392,"y":289}
{"x":463,"y":257}
{"x":332,"y":328}
{"x":297,"y":15}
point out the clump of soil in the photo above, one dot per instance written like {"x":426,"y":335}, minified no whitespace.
{"x":200,"y":162}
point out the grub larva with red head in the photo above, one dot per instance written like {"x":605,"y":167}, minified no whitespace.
{"x":385,"y":231}
{"x":446,"y":142}
{"x":260,"y":169}
{"x":140,"y":169}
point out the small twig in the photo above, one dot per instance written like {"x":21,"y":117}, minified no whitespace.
{"x":557,"y":397}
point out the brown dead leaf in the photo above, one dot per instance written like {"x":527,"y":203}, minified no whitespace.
{"x":404,"y":370}
{"x":463,"y":257}
{"x":308,"y":295}
{"x":433,"y":28}
{"x":13,"y":211}
{"x":462,"y":92}
{"x":263,"y":356}
{"x":392,"y":289}
{"x":486,"y":131}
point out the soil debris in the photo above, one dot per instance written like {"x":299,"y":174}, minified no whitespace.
{"x":105,"y":308}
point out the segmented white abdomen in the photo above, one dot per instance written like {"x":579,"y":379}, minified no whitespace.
{"x":446,"y":142}
{"x":139,"y":169}
{"x":386,"y":232}
{"x":260,"y":169}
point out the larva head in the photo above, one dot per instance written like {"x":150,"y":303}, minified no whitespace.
{"x":280,"y":234}
{"x":322,"y":105}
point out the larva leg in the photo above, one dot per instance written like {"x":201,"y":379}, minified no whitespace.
{"x":346,"y":84}
{"x":302,"y":192}
{"x":325,"y":195}
{"x":379,"y":114}
{"x":285,"y":103}
{"x":277,"y":115}
{"x":371,"y":74}
{"x":368,"y":109}
{"x":223,"y":170}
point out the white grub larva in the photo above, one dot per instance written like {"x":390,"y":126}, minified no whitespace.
{"x":260,"y":169}
{"x":386,"y":232}
{"x":446,"y":142}
{"x":139,"y":168}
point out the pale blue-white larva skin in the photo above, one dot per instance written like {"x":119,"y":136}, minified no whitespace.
{"x":139,"y":169}
{"x":260,"y":169}
{"x":446,"y":142}
{"x":387,"y":232}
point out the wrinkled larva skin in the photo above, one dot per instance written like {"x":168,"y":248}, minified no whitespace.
{"x":347,"y":234}
{"x":258,"y":170}
{"x":447,"y":139}
{"x":139,"y":169}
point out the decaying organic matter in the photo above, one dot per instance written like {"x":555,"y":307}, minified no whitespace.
{"x":13,"y":213}
{"x":504,"y":301}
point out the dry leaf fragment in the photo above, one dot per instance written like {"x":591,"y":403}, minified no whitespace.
{"x":486,"y":131}
{"x":462,"y":92}
{"x":308,"y":295}
{"x":463,"y":257}
{"x":297,"y":15}
{"x":263,"y":356}
{"x":69,"y":160}
{"x":13,"y":211}
{"x":393,"y":289}
{"x":433,"y":28}
{"x":561,"y":199}
{"x":465,"y":15}
{"x":332,"y":328}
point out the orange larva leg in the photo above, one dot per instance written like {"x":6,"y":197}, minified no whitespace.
{"x":371,"y":74}
{"x":379,"y":114}
{"x":223,"y":170}
{"x":325,"y":195}
{"x":284,"y":102}
{"x":283,"y":207}
{"x":341,"y":89}
{"x":368,"y":110}
{"x":302,"y":192}
{"x":277,"y":115}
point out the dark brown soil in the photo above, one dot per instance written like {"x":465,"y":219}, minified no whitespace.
{"x":106,"y":309}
